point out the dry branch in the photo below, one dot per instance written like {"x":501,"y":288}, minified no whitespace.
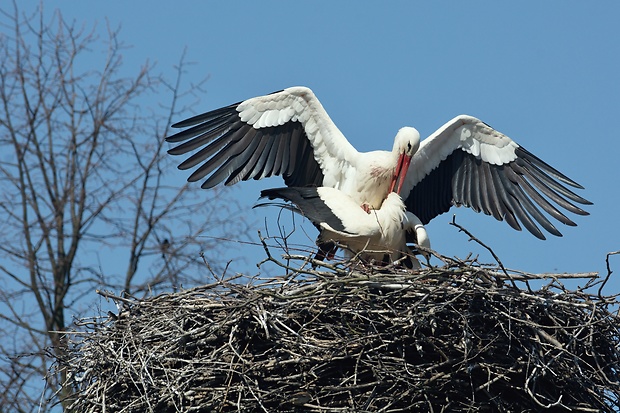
{"x":455,"y":338}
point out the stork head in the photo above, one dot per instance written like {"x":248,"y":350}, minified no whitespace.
{"x":406,"y":144}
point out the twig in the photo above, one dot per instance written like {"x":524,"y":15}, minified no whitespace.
{"x":495,"y":257}
{"x":115,"y":297}
{"x":609,"y":272}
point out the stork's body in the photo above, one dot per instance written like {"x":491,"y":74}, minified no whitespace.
{"x":369,"y":181}
{"x":379,"y":236}
{"x":465,"y":162}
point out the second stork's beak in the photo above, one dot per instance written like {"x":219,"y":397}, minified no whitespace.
{"x":402,"y":166}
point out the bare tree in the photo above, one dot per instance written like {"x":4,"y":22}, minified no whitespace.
{"x":86,"y":198}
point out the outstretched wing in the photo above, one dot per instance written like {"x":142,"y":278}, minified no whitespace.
{"x":286,"y":133}
{"x":466,"y":162}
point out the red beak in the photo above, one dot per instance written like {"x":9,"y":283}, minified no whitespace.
{"x":400,"y":172}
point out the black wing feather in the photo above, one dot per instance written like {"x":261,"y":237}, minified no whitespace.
{"x":308,"y":203}
{"x":227,"y":169}
{"x":492,"y":204}
{"x":247,"y":163}
{"x":512,"y":192}
{"x":226,"y":161}
{"x":536,"y":197}
{"x":230,"y":150}
{"x":518,"y":206}
{"x":205,"y":118}
{"x":505,"y":205}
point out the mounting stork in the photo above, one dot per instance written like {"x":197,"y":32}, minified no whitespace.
{"x":464,"y":163}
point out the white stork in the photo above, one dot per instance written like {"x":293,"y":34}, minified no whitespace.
{"x":379,"y":236}
{"x":465,"y":162}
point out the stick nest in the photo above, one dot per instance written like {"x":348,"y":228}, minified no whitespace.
{"x":463,"y":337}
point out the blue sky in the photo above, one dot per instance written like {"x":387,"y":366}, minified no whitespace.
{"x":544,"y":73}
